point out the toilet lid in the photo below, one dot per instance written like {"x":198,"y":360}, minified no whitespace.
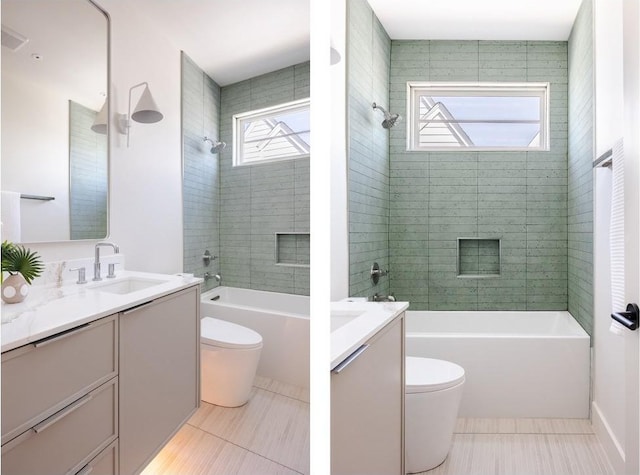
{"x":424,"y":375}
{"x":228,"y":335}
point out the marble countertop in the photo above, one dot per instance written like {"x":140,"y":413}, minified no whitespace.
{"x":354,"y":322}
{"x":56,"y":307}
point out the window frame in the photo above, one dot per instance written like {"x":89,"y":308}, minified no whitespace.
{"x":257,"y":114}
{"x":476,"y":89}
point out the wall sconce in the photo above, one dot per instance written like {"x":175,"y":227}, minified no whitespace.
{"x":145,"y":112}
{"x":100,"y":122}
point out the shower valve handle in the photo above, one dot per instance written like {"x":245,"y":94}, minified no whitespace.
{"x":376,"y":273}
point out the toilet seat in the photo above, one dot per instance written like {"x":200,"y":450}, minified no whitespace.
{"x":225,"y":334}
{"x":423,"y":375}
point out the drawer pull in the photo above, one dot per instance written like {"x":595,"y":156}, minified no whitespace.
{"x":138,"y":307}
{"x":59,"y":336}
{"x":86,"y":470}
{"x":349,"y":359}
{"x":62,"y":414}
{"x":13,"y":443}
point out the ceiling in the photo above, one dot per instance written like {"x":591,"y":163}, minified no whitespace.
{"x":233,"y":40}
{"x":546,"y":20}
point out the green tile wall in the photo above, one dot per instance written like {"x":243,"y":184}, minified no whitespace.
{"x":368,"y":61}
{"x":201,"y":180}
{"x":260,"y":200}
{"x":580,"y":183}
{"x":519,"y":197}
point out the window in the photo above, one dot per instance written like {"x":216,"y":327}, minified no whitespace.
{"x":271,"y":134}
{"x":477,"y":116}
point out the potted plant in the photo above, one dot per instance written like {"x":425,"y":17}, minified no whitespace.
{"x":23,"y":265}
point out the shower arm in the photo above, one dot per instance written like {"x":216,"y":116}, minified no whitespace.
{"x":386,"y":114}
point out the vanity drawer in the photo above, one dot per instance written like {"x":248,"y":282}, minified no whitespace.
{"x":41,"y":378}
{"x":105,"y":463}
{"x":66,"y":441}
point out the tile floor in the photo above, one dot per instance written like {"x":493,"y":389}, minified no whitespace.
{"x":268,"y":436}
{"x":524,"y":447}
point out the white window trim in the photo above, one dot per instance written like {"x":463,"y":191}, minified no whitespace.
{"x":534,"y":89}
{"x":263,"y":113}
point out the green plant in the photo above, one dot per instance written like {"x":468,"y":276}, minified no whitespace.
{"x":18,"y":259}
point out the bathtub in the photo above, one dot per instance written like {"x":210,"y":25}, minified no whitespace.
{"x":517,"y":364}
{"x":281,"y":319}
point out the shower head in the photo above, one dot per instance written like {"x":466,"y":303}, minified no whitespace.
{"x":216,"y":146}
{"x":389,"y":119}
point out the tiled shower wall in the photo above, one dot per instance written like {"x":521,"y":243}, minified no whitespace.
{"x":368,"y":60}
{"x":201,"y":185}
{"x":88,"y":175}
{"x":580,"y":177}
{"x":258,"y":201}
{"x":517,"y":197}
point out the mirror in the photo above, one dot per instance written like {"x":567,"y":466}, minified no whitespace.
{"x":54,"y":87}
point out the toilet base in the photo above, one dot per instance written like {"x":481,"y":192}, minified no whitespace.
{"x":227,"y":375}
{"x":430,"y":419}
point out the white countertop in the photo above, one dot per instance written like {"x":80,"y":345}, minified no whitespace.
{"x":53,"y":308}
{"x":360,"y":321}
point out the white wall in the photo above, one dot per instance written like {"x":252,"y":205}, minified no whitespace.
{"x":631,"y":91}
{"x":146,"y":196}
{"x":608,"y":386}
{"x":339,"y":209}
{"x":615,"y":391}
{"x":608,"y":73}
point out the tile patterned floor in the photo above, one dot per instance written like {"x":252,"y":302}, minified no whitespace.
{"x":268,"y":436}
{"x":524,"y":447}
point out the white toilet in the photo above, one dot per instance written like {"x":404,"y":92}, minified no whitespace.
{"x":433,"y":389}
{"x":229,"y":358}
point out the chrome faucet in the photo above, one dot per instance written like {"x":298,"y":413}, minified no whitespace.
{"x":96,"y":263}
{"x":382,"y":298}
{"x":207,"y":276}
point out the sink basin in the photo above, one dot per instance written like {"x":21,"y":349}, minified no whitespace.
{"x":340,"y":318}
{"x":127,"y":285}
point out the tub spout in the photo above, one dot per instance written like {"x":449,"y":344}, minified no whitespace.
{"x":207,"y":276}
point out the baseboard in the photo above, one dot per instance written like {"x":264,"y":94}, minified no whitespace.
{"x":611,"y":446}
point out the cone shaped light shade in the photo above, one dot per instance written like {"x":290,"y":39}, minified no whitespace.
{"x":146,"y":112}
{"x":100,"y":123}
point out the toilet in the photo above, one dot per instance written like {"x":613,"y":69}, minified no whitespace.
{"x":433,"y":389}
{"x":229,"y":358}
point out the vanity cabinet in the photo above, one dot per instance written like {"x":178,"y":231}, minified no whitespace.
{"x":60,"y":400}
{"x":367,"y":406}
{"x":103,"y":397}
{"x":159,"y":374}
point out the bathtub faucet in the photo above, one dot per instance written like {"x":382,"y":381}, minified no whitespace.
{"x":207,"y":276}
{"x":382,"y":298}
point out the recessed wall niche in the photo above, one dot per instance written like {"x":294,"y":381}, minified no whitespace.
{"x":478,"y":257}
{"x":292,"y":249}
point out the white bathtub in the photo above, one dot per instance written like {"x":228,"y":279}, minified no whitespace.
{"x":281,"y":319}
{"x":517,"y":364}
